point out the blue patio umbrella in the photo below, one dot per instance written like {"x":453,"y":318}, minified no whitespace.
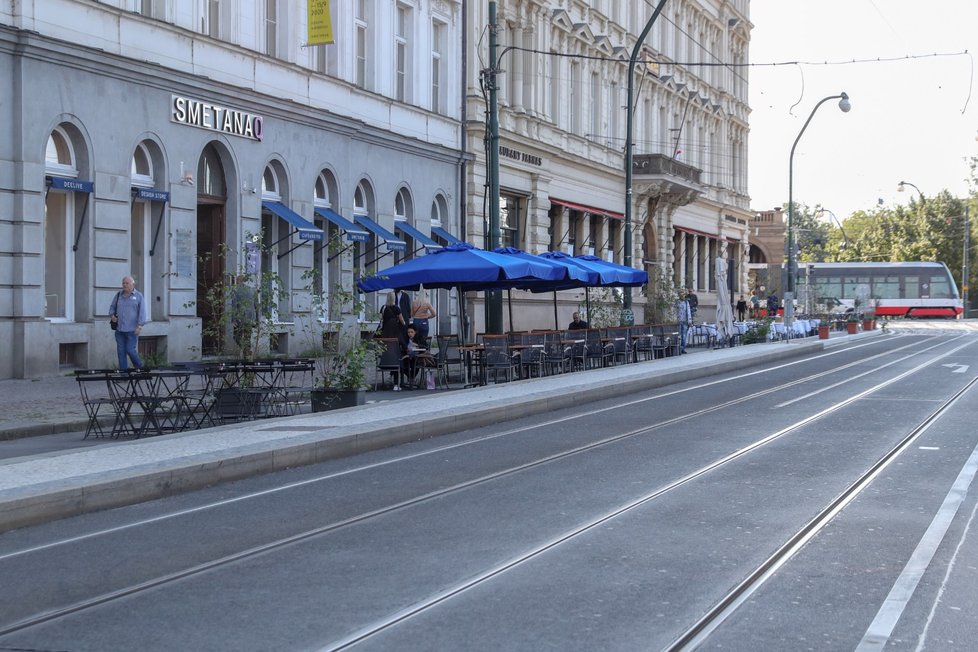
{"x":608,"y":274}
{"x":570,"y":276}
{"x":574,"y":276}
{"x":464,"y":267}
{"x":627,"y":276}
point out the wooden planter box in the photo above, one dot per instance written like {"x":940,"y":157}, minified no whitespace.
{"x":823,"y":331}
{"x":869,"y":324}
{"x":852,"y":327}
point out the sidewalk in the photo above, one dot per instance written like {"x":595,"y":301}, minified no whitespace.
{"x":44,"y":487}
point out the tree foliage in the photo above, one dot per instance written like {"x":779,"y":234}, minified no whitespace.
{"x":929,"y":228}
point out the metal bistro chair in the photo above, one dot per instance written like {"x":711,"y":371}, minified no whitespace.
{"x":388,"y":362}
{"x":642,"y":337}
{"x":533,"y":355}
{"x":597,"y":353}
{"x":450,"y":355}
{"x":498,"y":357}
{"x":620,"y":341}
{"x":556,"y":354}
{"x":94,"y":387}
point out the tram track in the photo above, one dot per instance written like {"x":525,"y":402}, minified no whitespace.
{"x":713,"y":618}
{"x":122,"y":593}
{"x":577,"y":414}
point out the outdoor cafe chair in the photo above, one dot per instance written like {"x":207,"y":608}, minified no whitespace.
{"x":497,"y":357}
{"x":556,"y":354}
{"x":597,"y":353}
{"x":620,"y":341}
{"x":532,"y":354}
{"x":642,"y":341}
{"x":452,"y":356}
{"x":93,"y":384}
{"x":389,"y":361}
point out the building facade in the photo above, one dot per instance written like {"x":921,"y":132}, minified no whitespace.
{"x":562,"y":93}
{"x":179,"y":141}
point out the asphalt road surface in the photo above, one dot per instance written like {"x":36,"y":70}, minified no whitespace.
{"x":821,"y":503}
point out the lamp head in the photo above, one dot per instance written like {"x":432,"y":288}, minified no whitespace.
{"x":844,"y":103}
{"x":901,"y":187}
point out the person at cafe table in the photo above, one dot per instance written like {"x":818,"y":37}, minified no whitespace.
{"x":414,"y":356}
{"x":577,"y":324}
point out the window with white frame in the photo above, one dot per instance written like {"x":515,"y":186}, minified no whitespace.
{"x":437,"y":49}
{"x":614,"y":113}
{"x":402,"y":52}
{"x":363,"y":205}
{"x":361,"y":44}
{"x":150,"y":8}
{"x":326,"y":258}
{"x":574,"y":107}
{"x":556,"y":84}
{"x":275,"y":256}
{"x":403,"y":213}
{"x":595,"y":105}
{"x":509,"y":220}
{"x":271,"y":24}
{"x":210,"y":18}
{"x":59,"y":223}
{"x":141,"y":220}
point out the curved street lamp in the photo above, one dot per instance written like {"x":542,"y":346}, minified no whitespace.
{"x":821,"y":210}
{"x":901,"y":187}
{"x":844,"y":106}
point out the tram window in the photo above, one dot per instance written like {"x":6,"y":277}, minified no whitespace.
{"x":851,"y":284}
{"x":911,"y":286}
{"x":886,"y":287}
{"x":939,"y":287}
{"x":829,"y":286}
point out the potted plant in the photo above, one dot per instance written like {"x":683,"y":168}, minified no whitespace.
{"x":824,"y":325}
{"x":342,"y":352}
{"x":852,"y":323}
{"x":341,"y":372}
{"x":869,"y":317}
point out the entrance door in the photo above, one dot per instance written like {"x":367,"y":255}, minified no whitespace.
{"x":210,"y":270}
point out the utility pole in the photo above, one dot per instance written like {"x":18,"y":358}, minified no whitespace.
{"x":964,"y":262}
{"x":627,"y":316}
{"x":494,"y":298}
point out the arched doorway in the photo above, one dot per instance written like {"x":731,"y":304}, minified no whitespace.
{"x":211,"y":247}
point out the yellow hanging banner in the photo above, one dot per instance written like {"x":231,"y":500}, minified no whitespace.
{"x":320,"y":25}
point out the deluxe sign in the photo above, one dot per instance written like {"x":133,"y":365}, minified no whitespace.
{"x":187,"y":111}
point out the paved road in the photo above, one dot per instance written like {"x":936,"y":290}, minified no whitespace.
{"x":608,"y":525}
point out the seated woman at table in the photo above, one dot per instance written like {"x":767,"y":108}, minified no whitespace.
{"x":414,"y":354}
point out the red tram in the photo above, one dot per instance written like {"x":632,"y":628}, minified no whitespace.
{"x":908,"y":289}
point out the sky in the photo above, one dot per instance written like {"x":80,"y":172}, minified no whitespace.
{"x":913,"y":119}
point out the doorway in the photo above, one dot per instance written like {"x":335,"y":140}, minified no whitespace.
{"x":210,"y":274}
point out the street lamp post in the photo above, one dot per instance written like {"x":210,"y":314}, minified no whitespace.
{"x":627,"y":317}
{"x":789,"y":296}
{"x":965,"y":271}
{"x":821,"y":210}
{"x":902,"y":187}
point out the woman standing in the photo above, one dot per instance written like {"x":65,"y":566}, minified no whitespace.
{"x":421,"y":312}
{"x":391,"y":319}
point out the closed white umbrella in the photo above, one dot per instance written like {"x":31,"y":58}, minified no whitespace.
{"x":725,"y":319}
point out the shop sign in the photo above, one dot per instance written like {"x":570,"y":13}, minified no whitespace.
{"x":517,"y":155}
{"x":195,"y":113}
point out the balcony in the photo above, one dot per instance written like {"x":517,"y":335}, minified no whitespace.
{"x":662,"y":176}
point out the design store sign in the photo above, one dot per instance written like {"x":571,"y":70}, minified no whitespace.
{"x":195,"y":113}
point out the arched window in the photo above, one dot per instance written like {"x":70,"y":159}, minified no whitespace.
{"x":59,"y":229}
{"x":141,"y":169}
{"x":326,"y":257}
{"x":276,"y":258}
{"x":144,"y":214}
